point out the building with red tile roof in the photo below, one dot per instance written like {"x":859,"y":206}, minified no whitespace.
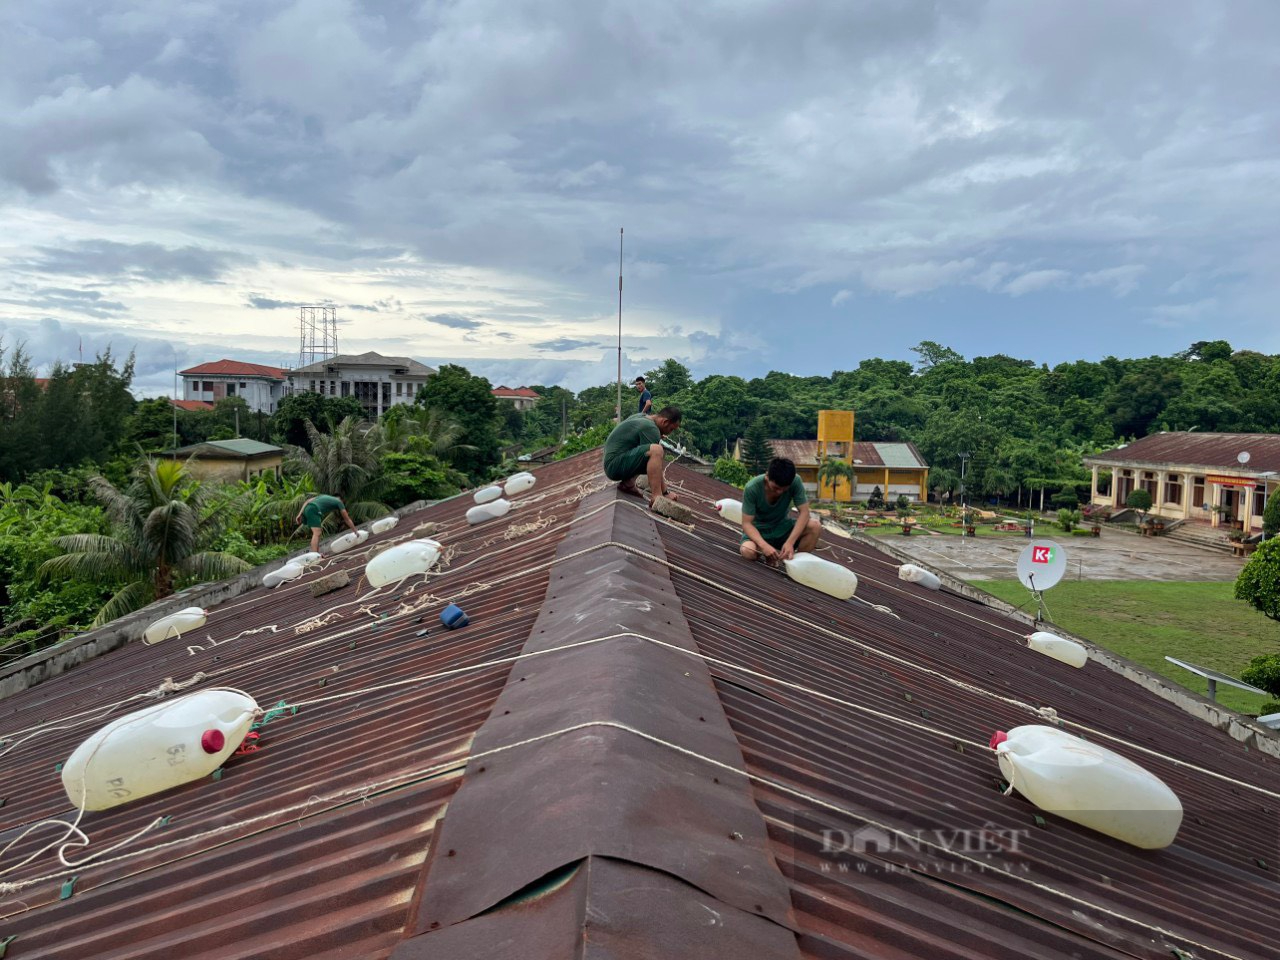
{"x":262,"y":387}
{"x":522,"y":397}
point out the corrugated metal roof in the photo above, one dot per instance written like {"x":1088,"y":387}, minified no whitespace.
{"x":1211,"y":450}
{"x":642,"y":794}
{"x":866,"y":453}
{"x":239,"y":447}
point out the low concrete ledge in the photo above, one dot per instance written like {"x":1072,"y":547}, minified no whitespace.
{"x":1236,"y":726}
{"x":61,"y":657}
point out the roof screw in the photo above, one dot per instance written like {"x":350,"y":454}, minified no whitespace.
{"x":735,"y":835}
{"x":451,"y":853}
{"x":715,"y":779}
{"x":434,"y":924}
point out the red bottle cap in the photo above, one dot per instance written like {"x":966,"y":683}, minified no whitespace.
{"x":998,"y":738}
{"x":213,"y":741}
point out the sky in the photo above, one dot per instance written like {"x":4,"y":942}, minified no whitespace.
{"x":803,"y":183}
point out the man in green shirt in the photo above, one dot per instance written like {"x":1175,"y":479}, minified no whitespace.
{"x":768,"y":530}
{"x":315,"y":510}
{"x":635,"y":447}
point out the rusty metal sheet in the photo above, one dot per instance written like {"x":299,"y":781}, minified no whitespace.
{"x":603,"y":909}
{"x":604,"y":791}
{"x":1213,"y":887}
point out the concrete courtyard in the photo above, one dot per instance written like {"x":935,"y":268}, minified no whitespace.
{"x":1116,"y":555}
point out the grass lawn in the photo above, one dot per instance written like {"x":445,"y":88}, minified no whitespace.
{"x":1146,"y":620}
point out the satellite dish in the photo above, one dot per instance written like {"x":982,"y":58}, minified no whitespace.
{"x":1243,"y":458}
{"x":1041,"y":565}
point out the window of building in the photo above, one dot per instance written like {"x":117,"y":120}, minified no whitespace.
{"x":346,"y":388}
{"x":231,"y":389}
{"x":399,"y":389}
{"x":1259,"y":499}
{"x":1197,"y":492}
{"x":207,"y":386}
{"x":1173,"y":488}
{"x":333,"y":388}
{"x":1149,"y":483}
{"x":313,"y":386}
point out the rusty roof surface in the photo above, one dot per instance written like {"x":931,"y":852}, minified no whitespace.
{"x":1216,"y":450}
{"x":679,"y":754}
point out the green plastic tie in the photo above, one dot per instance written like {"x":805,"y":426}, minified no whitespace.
{"x":165,"y":821}
{"x":1040,"y":821}
{"x":57,"y":768}
{"x":217,"y":774}
{"x":4,"y":944}
{"x":68,"y":889}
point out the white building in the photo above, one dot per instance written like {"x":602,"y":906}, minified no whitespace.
{"x":261,"y":387}
{"x":378,"y":382}
{"x":522,"y":398}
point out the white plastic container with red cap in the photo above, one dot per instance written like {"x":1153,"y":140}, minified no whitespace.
{"x":730,"y":509}
{"x":1059,"y":648}
{"x":912,"y":573}
{"x":158,"y":748}
{"x":383,"y":525}
{"x":830,"y":578}
{"x":175,"y":624}
{"x":518,"y":483}
{"x":404,"y":560}
{"x":348,"y":540}
{"x":1089,"y":785}
{"x":488,"y":511}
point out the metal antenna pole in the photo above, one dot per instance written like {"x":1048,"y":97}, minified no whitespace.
{"x":620,"y":324}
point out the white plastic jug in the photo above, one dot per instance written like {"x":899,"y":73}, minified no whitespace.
{"x":488,"y":494}
{"x":383,"y":525}
{"x":308,"y":558}
{"x":163,"y":746}
{"x":914,"y":574}
{"x":348,"y":540}
{"x":488,"y":511}
{"x":730,"y":509}
{"x":391,"y":566}
{"x":1060,"y":648}
{"x":175,"y":624}
{"x":519,"y":483}
{"x":290,"y":571}
{"x":822,"y":575}
{"x":1089,"y":784}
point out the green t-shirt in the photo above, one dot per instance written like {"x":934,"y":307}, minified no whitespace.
{"x":766,"y":515}
{"x":635,"y":431}
{"x":325,"y":503}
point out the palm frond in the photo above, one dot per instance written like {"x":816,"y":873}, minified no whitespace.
{"x":131,"y":597}
{"x":170,"y":532}
{"x":212,"y":565}
{"x":93,"y":558}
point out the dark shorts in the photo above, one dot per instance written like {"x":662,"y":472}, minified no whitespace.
{"x":777,"y":535}
{"x":311,"y":516}
{"x":627,"y":464}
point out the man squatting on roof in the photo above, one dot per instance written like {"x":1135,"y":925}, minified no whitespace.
{"x":768,"y":529}
{"x":634,"y":447}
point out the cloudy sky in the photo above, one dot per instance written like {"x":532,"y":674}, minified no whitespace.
{"x":803,"y":183}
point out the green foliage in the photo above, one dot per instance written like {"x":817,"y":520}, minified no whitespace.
{"x":1067,"y":519}
{"x":346,"y":463}
{"x":756,"y":451}
{"x":729,"y":470}
{"x":1259,"y":582}
{"x":408,"y":477}
{"x":162,"y":526}
{"x":1066,"y":497}
{"x":1264,"y":673}
{"x":1271,"y":515}
{"x":469,"y":400}
{"x":876,"y":500}
{"x":902,"y":506}
{"x":592,"y":437}
{"x":1139,"y":500}
{"x":289,"y":422}
{"x":667,"y":380}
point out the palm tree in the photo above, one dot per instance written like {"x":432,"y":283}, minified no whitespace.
{"x":345,"y":464}
{"x":162,"y":522}
{"x":832,"y":471}
{"x":422,"y":430}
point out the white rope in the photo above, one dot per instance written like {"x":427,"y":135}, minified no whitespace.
{"x":366,"y":789}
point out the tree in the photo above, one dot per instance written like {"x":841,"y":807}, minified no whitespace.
{"x":729,"y":470}
{"x":832,"y":471}
{"x":667,"y":380}
{"x":420,"y":430}
{"x":408,"y":477}
{"x":1067,"y":519}
{"x":1271,"y":516}
{"x":469,"y":400}
{"x":756,"y":451}
{"x":933,"y":354}
{"x":876,"y":500}
{"x":1259,"y":582}
{"x":288,"y":423}
{"x":1139,"y":500}
{"x":162,"y":524}
{"x":345,"y":464}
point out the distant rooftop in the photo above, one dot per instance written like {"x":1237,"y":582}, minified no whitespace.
{"x":367,"y":359}
{"x":192,"y":404}
{"x":239,"y":448}
{"x":522,"y":392}
{"x":235,"y":368}
{"x":1192,"y":448}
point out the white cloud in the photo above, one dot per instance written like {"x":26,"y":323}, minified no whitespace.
{"x":1035,"y":280}
{"x":840,"y":297}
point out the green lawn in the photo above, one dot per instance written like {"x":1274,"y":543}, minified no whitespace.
{"x":1146,"y":620}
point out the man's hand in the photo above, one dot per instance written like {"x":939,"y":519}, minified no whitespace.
{"x":298,"y":518}
{"x":788,"y":551}
{"x":770,"y":553}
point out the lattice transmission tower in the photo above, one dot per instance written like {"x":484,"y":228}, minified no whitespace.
{"x":318,"y":327}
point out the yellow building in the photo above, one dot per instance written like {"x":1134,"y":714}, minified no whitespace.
{"x":228,"y":460}
{"x":896,"y":468}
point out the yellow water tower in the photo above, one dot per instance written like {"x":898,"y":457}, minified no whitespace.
{"x":835,"y":442}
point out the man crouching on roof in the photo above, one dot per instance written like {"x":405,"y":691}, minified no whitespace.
{"x":768,"y":529}
{"x":634,"y":447}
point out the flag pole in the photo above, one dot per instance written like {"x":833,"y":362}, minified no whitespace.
{"x":620,"y":324}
